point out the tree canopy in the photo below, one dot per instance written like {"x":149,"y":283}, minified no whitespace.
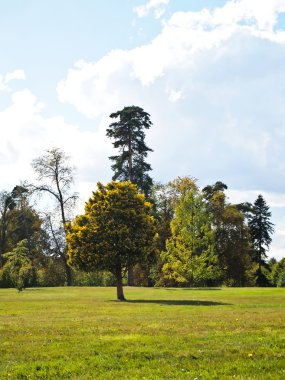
{"x":129,"y":138}
{"x":115,"y":231}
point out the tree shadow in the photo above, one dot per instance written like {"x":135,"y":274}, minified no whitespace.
{"x":190,"y":289}
{"x":179,"y":302}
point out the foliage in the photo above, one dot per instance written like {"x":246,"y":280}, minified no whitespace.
{"x":277,"y":269}
{"x":163,"y":211}
{"x":51,"y":272}
{"x":18,"y":265}
{"x":94,"y":278}
{"x":7,"y":203}
{"x":261,"y":230}
{"x":232,"y":242}
{"x":189,"y":257}
{"x":281,"y":279}
{"x":202,"y":238}
{"x":129,"y":137}
{"x":116,"y":231}
{"x":233,"y":247}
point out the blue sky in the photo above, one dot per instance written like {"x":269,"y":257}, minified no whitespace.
{"x":210,"y":73}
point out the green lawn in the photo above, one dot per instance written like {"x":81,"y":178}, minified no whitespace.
{"x":84,"y":333}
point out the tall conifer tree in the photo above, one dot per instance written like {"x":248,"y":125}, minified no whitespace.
{"x":129,"y":165}
{"x":129,"y":138}
{"x":261,"y":230}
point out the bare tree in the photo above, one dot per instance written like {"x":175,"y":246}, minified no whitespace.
{"x":55,"y":177}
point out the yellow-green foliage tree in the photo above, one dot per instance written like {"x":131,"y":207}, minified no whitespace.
{"x":116,"y":231}
{"x":190,"y":257}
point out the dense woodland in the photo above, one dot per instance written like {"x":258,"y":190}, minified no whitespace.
{"x":134,"y":231}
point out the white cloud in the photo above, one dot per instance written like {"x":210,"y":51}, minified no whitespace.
{"x":276,"y":200}
{"x":157,"y":6}
{"x":226,"y":90}
{"x":15,"y":75}
{"x":174,"y":95}
{"x":213,"y":82}
{"x":28,"y":134}
{"x":10,"y":76}
{"x":183,"y":36}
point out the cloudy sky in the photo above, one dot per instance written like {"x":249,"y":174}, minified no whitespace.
{"x":211,"y":73}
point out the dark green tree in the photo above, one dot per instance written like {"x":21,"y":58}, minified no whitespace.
{"x":129,"y":138}
{"x":7,"y":203}
{"x":261,"y":230}
{"x":232,"y":240}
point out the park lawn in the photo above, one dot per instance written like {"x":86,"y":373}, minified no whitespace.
{"x":159,"y":333}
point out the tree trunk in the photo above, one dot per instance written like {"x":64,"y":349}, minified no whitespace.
{"x":68,"y":271}
{"x":120,"y":291}
{"x":130,"y":160}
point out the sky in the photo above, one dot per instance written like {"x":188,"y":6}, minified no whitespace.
{"x":211,"y":74}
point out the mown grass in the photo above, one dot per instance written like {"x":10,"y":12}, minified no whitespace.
{"x":84,"y":333}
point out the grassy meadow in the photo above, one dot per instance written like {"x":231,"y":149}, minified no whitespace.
{"x":84,"y":333}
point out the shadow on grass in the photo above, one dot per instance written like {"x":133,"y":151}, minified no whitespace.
{"x":179,"y":302}
{"x":189,"y":289}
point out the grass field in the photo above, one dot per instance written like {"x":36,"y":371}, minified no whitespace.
{"x":84,"y":333}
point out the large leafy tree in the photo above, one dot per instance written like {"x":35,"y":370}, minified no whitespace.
{"x":232,"y":241}
{"x":190,"y":257}
{"x":7,"y":203}
{"x":166,"y":197}
{"x":116,"y":231}
{"x":55,"y":177}
{"x":261,"y":230}
{"x":128,"y":134}
{"x":233,"y":247}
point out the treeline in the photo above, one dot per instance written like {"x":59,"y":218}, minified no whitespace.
{"x":195,"y":236}
{"x":204,"y":240}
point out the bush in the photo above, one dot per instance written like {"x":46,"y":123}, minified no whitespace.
{"x":95,"y":278}
{"x":281,"y":279}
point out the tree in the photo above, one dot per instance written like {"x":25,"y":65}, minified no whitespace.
{"x":128,"y":135}
{"x":210,"y":190}
{"x":261,"y":230}
{"x":129,"y":165}
{"x":55,"y":177}
{"x":115,"y":232}
{"x":190,"y":258}
{"x":277,"y":271}
{"x":163,"y":212}
{"x":232,"y":243}
{"x":7,"y":203}
{"x":18,"y":265}
{"x":233,"y":247}
{"x":24,"y":223}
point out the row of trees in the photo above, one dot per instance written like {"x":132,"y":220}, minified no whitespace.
{"x":160,"y":234}
{"x":212,"y":241}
